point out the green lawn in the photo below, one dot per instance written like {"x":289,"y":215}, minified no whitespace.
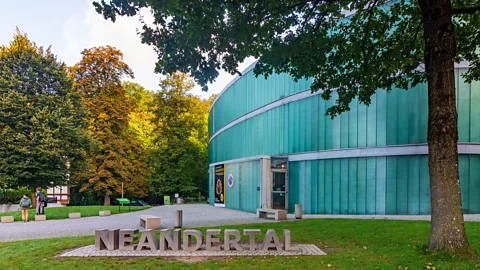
{"x":350,"y":244}
{"x":62,"y":212}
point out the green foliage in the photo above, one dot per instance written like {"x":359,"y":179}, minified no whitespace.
{"x":42,"y":136}
{"x":13,"y":196}
{"x":140,"y":119}
{"x":117,"y":158}
{"x":352,"y":47}
{"x":179,"y":159}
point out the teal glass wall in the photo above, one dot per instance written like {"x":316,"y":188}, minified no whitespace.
{"x":395,"y":118}
{"x":397,"y":185}
{"x":373,"y":185}
{"x":250,"y":93}
{"x":244,"y":194}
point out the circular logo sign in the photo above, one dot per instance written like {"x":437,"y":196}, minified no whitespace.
{"x":230,"y":180}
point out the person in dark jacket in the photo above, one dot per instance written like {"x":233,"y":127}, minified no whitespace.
{"x":25,"y":204}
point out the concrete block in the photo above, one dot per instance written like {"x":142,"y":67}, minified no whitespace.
{"x":104,"y":213}
{"x":7,"y":219}
{"x":281,"y":215}
{"x":40,"y":217}
{"x":74,"y":215}
{"x":187,"y":240}
{"x":234,"y":242}
{"x":298,"y":211}
{"x":150,"y":222}
{"x":178,"y":219}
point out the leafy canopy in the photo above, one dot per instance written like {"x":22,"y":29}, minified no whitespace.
{"x":116,"y":156}
{"x":179,"y":160}
{"x":42,"y":137}
{"x":353,"y":47}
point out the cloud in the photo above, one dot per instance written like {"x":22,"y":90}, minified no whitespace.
{"x":87,"y":28}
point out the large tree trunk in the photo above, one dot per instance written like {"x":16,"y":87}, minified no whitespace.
{"x":447,"y":231}
{"x":106,"y":200}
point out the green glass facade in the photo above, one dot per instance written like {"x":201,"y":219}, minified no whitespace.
{"x":254,"y":116}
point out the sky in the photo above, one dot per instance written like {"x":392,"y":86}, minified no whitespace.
{"x":69,"y":26}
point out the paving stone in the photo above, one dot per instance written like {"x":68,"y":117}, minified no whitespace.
{"x":91,"y":251}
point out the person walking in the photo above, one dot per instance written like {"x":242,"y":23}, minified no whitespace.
{"x":25,"y":204}
{"x":40,"y":201}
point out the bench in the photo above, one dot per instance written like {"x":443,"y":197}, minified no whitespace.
{"x":279,"y":214}
{"x":7,"y":219}
{"x":150,"y":222}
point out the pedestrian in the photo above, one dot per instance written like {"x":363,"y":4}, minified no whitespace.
{"x":25,"y":204}
{"x":40,"y":201}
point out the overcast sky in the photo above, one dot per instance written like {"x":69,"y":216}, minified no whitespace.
{"x":70,"y":26}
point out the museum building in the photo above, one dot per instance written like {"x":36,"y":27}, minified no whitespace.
{"x":271,"y":146}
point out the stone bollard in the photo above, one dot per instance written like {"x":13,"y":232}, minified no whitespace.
{"x":178,"y":219}
{"x":74,"y":215}
{"x":298,"y":211}
{"x":104,"y":213}
{"x":40,"y":217}
{"x":7,"y":219}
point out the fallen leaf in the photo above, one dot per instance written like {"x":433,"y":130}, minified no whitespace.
{"x":399,"y":267}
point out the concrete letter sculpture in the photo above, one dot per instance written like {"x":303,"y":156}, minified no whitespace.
{"x":210,"y":239}
{"x":234,"y":241}
{"x":148,"y":240}
{"x":126,"y":239}
{"x":187,"y":240}
{"x":106,"y":239}
{"x":169,"y":240}
{"x":251,"y":237}
{"x":286,"y":241}
{"x":267,"y":242}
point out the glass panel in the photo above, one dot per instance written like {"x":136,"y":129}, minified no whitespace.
{"x":278,"y":163}
{"x":278,"y":181}
{"x":278,"y":201}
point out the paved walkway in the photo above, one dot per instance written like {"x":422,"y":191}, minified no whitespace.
{"x":194,"y":215}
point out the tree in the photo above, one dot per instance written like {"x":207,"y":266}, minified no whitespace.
{"x":42,"y":135}
{"x":141,"y":117}
{"x":117,"y":158}
{"x":380,"y":45}
{"x":179,"y":160}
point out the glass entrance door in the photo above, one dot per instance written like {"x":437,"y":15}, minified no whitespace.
{"x":279,"y":189}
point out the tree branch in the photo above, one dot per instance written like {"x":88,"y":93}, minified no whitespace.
{"x":465,"y":10}
{"x":367,"y":29}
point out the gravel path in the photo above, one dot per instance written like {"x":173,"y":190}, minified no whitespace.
{"x":194,"y":215}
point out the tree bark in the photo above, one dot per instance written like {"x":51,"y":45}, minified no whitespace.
{"x":447,"y":230}
{"x":106,"y":200}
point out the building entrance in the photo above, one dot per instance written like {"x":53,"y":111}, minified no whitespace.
{"x":279,"y":183}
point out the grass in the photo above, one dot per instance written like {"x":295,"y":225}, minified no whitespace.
{"x":62,"y":212}
{"x":350,"y":244}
